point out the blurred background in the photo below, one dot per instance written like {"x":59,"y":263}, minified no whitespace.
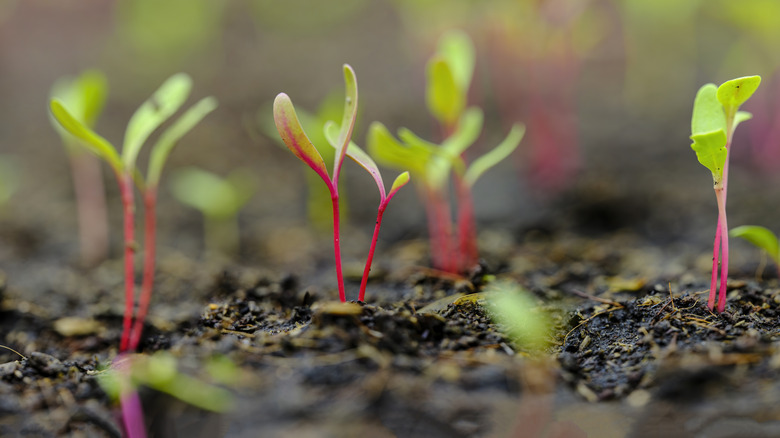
{"x":605,"y":88}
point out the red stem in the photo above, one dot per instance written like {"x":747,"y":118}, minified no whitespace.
{"x":715,"y":259}
{"x":467,"y":231}
{"x":126,"y":190}
{"x":150,"y":232}
{"x":370,"y":259}
{"x":442,"y":222}
{"x":334,"y":197}
{"x":724,"y":241}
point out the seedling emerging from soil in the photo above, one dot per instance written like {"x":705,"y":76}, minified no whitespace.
{"x":449,"y":78}
{"x":84,"y":97}
{"x":149,"y":116}
{"x":295,"y":138}
{"x":715,"y":117}
{"x":762,"y":238}
{"x":219,"y":199}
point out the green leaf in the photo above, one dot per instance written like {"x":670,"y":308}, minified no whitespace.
{"x":740,"y":117}
{"x":732,"y":94}
{"x":400,"y":181}
{"x":458,"y":50}
{"x":213,"y":196}
{"x":469,"y":128}
{"x":347,"y":120}
{"x":708,"y":115}
{"x":93,"y":87}
{"x":171,"y":136}
{"x":293,"y":136}
{"x":391,"y":153}
{"x":518,"y":313}
{"x":711,"y":151}
{"x":93,"y":142}
{"x":490,"y":159}
{"x":444,"y":98}
{"x":152,"y":113}
{"x":356,"y":154}
{"x":760,"y":237}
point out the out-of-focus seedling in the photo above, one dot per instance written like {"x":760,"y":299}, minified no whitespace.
{"x":219,"y":199}
{"x":715,"y":117}
{"x":295,"y":138}
{"x":761,"y":237}
{"x":84,"y":97}
{"x":519,"y":315}
{"x":449,"y":75}
{"x":149,"y":116}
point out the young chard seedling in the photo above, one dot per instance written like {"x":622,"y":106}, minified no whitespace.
{"x":84,"y":98}
{"x":149,"y":116}
{"x":219,"y":199}
{"x":293,"y":135}
{"x":449,"y":77}
{"x":762,"y":238}
{"x":715,"y":117}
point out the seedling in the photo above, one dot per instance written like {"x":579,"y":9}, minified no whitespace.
{"x":219,"y":199}
{"x":84,"y":98}
{"x":149,"y":116}
{"x":294,"y":137}
{"x":449,"y":78}
{"x":519,"y":315}
{"x":715,"y":117}
{"x":762,"y":238}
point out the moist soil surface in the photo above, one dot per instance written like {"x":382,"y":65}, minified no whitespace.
{"x":630,"y":354}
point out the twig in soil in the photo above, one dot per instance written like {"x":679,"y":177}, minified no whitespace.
{"x":14,"y":351}
{"x":595,"y":298}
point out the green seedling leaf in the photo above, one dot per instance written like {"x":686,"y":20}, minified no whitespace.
{"x":469,"y":128}
{"x":490,"y":159}
{"x":708,"y":115}
{"x":171,"y":136}
{"x":215,"y":197}
{"x":444,"y":98}
{"x":295,"y":138}
{"x":400,"y":181}
{"x":458,"y":50}
{"x":732,"y":94}
{"x":711,"y":151}
{"x":760,"y":237}
{"x":152,"y":113}
{"x":354,"y":152}
{"x":347,"y":121}
{"x":740,"y":117}
{"x":392,"y":153}
{"x":519,"y":316}
{"x":92,"y":141}
{"x":84,"y":96}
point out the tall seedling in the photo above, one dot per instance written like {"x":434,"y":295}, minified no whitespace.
{"x":149,"y":116}
{"x":715,"y":117}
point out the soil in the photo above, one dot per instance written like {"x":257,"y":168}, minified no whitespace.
{"x":631,"y":354}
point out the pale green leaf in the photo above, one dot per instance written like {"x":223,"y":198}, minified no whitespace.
{"x":391,"y":153}
{"x":295,"y":138}
{"x":711,"y":151}
{"x":760,"y":237}
{"x":347,"y":120}
{"x":92,"y":141}
{"x":708,"y":115}
{"x":212,"y":195}
{"x":740,"y":117}
{"x":469,"y":128}
{"x":498,"y":154}
{"x":732,"y":94}
{"x":458,"y":50}
{"x":152,"y":113}
{"x":519,"y":316}
{"x":442,"y":95}
{"x":400,"y":181}
{"x":171,"y":136}
{"x":356,"y":154}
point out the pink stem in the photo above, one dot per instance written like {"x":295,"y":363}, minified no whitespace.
{"x":467,"y":231}
{"x":126,"y":190}
{"x":369,"y":261}
{"x":91,"y":207}
{"x":443,"y":230}
{"x":150,"y":232}
{"x":334,"y":197}
{"x":724,"y":241}
{"x":715,"y":259}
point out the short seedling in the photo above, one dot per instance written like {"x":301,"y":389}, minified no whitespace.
{"x":762,"y":238}
{"x":295,"y":138}
{"x":219,"y":199}
{"x":149,"y":116}
{"x":449,"y":78}
{"x":715,"y":117}
{"x":84,"y":98}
